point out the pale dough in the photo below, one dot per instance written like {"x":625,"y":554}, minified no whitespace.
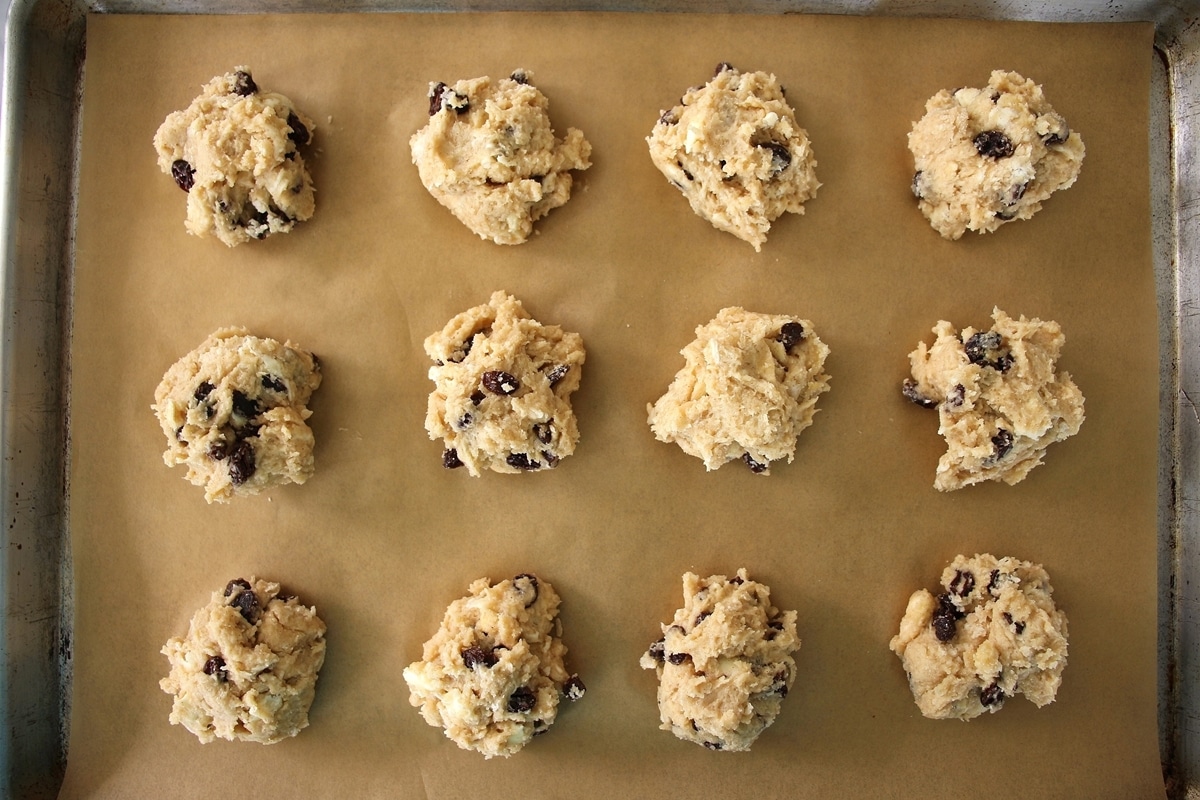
{"x":492,"y":676}
{"x":247,"y":669}
{"x":724,"y":664}
{"x":503,"y":385}
{"x":735,"y":150}
{"x":489,"y":155}
{"x":235,"y":151}
{"x":748,"y":387}
{"x":234,"y":410}
{"x":988,"y":156}
{"x":992,"y":633}
{"x":999,"y":400}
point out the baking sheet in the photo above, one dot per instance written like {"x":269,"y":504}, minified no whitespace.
{"x":382,"y":538}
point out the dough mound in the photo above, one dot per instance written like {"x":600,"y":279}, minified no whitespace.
{"x":998,"y":398}
{"x":735,"y":150}
{"x":993,"y":633}
{"x":489,"y":155}
{"x":248,"y":667}
{"x":234,"y":410}
{"x":988,"y":156}
{"x":503,"y":385}
{"x":724,"y":664}
{"x":234,"y":150}
{"x":493,"y":674}
{"x":748,"y":387}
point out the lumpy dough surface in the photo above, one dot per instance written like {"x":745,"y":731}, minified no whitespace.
{"x":724,"y":663}
{"x":989,"y":156}
{"x":235,"y":151}
{"x":247,"y":669}
{"x":503,"y":384}
{"x":493,"y":675}
{"x":748,"y":387}
{"x":735,"y":150}
{"x":489,"y":154}
{"x":234,"y":411}
{"x":992,"y":633}
{"x":999,"y":400}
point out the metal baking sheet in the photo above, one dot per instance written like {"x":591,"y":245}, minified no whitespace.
{"x":43,"y":68}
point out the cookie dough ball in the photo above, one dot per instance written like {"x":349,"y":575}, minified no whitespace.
{"x":748,"y":387}
{"x":503,"y":385}
{"x":247,"y":669}
{"x":735,"y":150}
{"x":489,"y":155}
{"x":724,"y":664}
{"x":234,"y":411}
{"x":492,"y":676}
{"x":999,"y":400}
{"x":988,"y":156}
{"x":235,"y":151}
{"x":993,"y":632}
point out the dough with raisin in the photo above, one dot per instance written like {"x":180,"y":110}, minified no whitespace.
{"x":735,"y":150}
{"x":489,"y":154}
{"x":235,"y":151}
{"x":503,"y":385}
{"x":989,"y":156}
{"x":999,"y":400}
{"x":247,"y":669}
{"x":992,"y":633}
{"x":493,"y":675}
{"x":725,"y":663}
{"x":748,"y":387}
{"x":234,"y":410}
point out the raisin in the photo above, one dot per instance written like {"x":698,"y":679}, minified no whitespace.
{"x":500,"y":382}
{"x":557,"y":373}
{"x":1018,"y":192}
{"x":246,"y":602}
{"x":273,"y":383}
{"x":703,"y":615}
{"x":994,"y":581}
{"x":244,"y":406}
{"x":916,"y":185}
{"x":450,"y":459}
{"x":243,"y":84}
{"x":1003,"y":362}
{"x":791,"y":334}
{"x":678,"y":658}
{"x":522,"y":461}
{"x":574,"y":689}
{"x":184,"y":174}
{"x":991,"y":695}
{"x":994,"y":144}
{"x":713,"y":745}
{"x":544,"y":431}
{"x":179,"y":434}
{"x":781,"y":157}
{"x":299,"y":133}
{"x":218,"y":450}
{"x":237,"y":584}
{"x":215,"y":666}
{"x":736,"y":580}
{"x":957,"y":397}
{"x":756,"y":467}
{"x":1058,"y":137}
{"x":976,"y":347}
{"x":656,"y":650}
{"x":435,"y":98}
{"x":521,"y":77}
{"x":722,"y":67}
{"x":241,"y":463}
{"x":551,"y":459}
{"x":668,"y":117}
{"x":522,"y":700}
{"x":909,"y":389}
{"x":1018,"y":626}
{"x":686,"y":174}
{"x":474,"y":656}
{"x":1003,"y":443}
{"x":944,"y":619}
{"x":527,"y":584}
{"x":963,"y":583}
{"x":464,"y":421}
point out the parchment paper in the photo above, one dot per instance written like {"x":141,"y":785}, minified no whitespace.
{"x":383,"y":538}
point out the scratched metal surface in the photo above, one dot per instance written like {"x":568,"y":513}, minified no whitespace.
{"x":42,"y":74}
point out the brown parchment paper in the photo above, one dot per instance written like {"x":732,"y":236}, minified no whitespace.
{"x":383,"y":538}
